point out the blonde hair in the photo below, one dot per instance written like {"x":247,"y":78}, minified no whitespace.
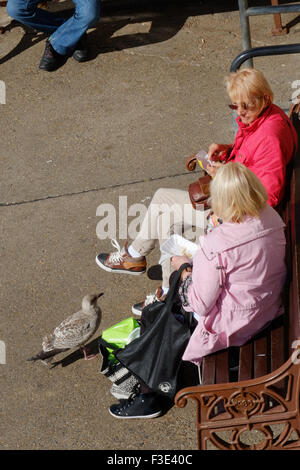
{"x":236,"y":192}
{"x":249,"y":86}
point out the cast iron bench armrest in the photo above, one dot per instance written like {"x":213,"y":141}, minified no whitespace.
{"x":250,"y":404}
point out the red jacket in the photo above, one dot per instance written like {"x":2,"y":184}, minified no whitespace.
{"x":265,"y":147}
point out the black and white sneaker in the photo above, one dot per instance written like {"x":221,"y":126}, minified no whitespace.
{"x":143,"y":405}
{"x":157,"y":297}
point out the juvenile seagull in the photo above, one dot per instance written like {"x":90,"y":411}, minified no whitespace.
{"x":74,"y":331}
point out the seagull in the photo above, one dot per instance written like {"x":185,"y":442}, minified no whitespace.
{"x":73,"y":332}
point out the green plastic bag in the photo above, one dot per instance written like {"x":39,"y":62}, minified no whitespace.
{"x":121,"y":334}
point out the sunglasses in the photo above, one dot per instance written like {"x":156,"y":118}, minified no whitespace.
{"x":244,"y":106}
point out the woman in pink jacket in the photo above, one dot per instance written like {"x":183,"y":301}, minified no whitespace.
{"x":235,"y":282}
{"x":238,"y":272}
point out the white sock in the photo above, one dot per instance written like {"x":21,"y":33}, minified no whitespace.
{"x":133,"y":253}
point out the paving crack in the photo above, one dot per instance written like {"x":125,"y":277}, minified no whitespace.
{"x":89,"y":190}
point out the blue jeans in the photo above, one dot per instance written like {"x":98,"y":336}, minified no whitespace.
{"x":65,"y":34}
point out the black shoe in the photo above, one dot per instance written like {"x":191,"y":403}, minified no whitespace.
{"x":51,"y":59}
{"x":155,"y":272}
{"x":144,"y":405}
{"x":81,"y":53}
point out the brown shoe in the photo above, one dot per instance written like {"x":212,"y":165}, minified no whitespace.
{"x":121,"y":262}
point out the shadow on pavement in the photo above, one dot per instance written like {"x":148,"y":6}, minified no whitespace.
{"x":167,"y":17}
{"x":163,"y":27}
{"x":77,"y":355}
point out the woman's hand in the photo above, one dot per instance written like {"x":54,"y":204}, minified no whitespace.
{"x":216,"y":150}
{"x":212,"y":169}
{"x":178,"y":261}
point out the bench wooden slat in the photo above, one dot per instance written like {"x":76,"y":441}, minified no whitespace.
{"x":222,"y":373}
{"x":277,"y":347}
{"x":208,"y":369}
{"x":245,"y":364}
{"x":260,"y":357}
{"x":294,"y":313}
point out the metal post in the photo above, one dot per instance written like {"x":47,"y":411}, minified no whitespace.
{"x":245,"y":26}
{"x":277,"y":21}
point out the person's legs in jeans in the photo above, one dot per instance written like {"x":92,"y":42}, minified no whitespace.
{"x":27,"y":13}
{"x":65,"y":38}
{"x":65,"y":34}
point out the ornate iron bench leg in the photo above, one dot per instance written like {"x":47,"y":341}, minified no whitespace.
{"x":254,"y":405}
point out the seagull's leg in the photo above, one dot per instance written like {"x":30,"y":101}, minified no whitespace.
{"x":87,"y":356}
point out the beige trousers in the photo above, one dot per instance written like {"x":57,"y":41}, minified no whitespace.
{"x":170,"y":212}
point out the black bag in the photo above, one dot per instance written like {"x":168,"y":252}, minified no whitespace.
{"x":155,"y":357}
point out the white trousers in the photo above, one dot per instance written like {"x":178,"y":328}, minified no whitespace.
{"x":170,"y":212}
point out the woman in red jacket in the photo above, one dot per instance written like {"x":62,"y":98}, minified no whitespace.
{"x":266,"y":140}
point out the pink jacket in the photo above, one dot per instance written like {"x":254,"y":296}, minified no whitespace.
{"x":265,"y":147}
{"x":237,"y":280}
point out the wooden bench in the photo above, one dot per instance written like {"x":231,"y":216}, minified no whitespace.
{"x":256,"y":387}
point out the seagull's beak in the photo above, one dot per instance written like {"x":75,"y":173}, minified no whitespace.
{"x":99,"y":295}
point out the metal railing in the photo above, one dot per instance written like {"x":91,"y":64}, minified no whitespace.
{"x":246,"y":12}
{"x":247,"y":55}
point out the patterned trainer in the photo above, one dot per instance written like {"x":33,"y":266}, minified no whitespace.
{"x":121,"y":261}
{"x":124,"y":391}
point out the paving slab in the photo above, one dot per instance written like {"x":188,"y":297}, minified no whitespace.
{"x":85,"y":135}
{"x":46,"y":275}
